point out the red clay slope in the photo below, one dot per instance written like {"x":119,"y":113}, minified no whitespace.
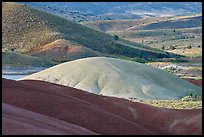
{"x":100,"y":114}
{"x":19,"y":121}
{"x":195,"y":82}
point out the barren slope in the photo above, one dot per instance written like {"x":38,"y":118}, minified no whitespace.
{"x":100,"y":114}
{"x":18,"y":121}
{"x":119,"y":78}
{"x":63,"y":50}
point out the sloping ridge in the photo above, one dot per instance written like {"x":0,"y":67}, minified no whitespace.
{"x":174,"y":24}
{"x":18,"y":59}
{"x":99,"y":114}
{"x":63,"y":50}
{"x":27,"y":30}
{"x":119,"y":78}
{"x":18,"y":121}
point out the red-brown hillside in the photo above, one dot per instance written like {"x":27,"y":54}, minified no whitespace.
{"x":63,"y":50}
{"x":195,"y":82}
{"x":99,"y":114}
{"x":21,"y":121}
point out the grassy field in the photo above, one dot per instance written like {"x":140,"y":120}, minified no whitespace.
{"x":175,"y":104}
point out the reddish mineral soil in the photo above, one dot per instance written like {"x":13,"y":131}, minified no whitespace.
{"x":39,"y":107}
{"x":196,"y":82}
{"x":21,"y":121}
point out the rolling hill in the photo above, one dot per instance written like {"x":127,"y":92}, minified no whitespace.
{"x":37,"y":107}
{"x":25,"y":122}
{"x":90,"y":11}
{"x":27,"y":30}
{"x":164,"y":33}
{"x":120,"y":25}
{"x":18,"y":59}
{"x":188,"y":21}
{"x":61,"y":50}
{"x":118,"y":78}
{"x":63,"y":11}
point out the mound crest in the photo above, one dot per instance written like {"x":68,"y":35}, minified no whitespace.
{"x":118,"y":78}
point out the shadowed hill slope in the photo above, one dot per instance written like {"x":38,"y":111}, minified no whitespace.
{"x":174,"y":24}
{"x":27,"y":30}
{"x":99,"y":114}
{"x":18,"y":59}
{"x":119,"y":78}
{"x":120,"y":25}
{"x":147,"y":23}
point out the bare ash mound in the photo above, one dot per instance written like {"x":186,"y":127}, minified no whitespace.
{"x":25,"y":103}
{"x":118,"y":78}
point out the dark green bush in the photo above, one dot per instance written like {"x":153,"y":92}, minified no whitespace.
{"x":116,"y":37}
{"x":189,"y":47}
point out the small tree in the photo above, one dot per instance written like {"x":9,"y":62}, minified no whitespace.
{"x":116,"y":37}
{"x":191,"y":94}
{"x":162,"y":47}
{"x":189,"y":47}
{"x":195,"y":97}
{"x":172,"y":47}
{"x":151,"y":42}
{"x":12,"y":49}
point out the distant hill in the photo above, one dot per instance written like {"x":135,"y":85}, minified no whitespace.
{"x":91,"y":11}
{"x":147,"y":23}
{"x":63,"y":11}
{"x":27,"y":31}
{"x":174,"y":24}
{"x":157,"y":32}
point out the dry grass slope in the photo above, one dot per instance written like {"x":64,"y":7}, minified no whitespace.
{"x":28,"y":30}
{"x":18,"y":59}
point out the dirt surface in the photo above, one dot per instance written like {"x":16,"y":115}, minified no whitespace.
{"x":185,"y":70}
{"x":196,"y":82}
{"x":63,"y":50}
{"x":19,"y":121}
{"x":99,"y":114}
